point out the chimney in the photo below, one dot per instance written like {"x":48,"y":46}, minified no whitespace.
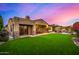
{"x":27,"y":17}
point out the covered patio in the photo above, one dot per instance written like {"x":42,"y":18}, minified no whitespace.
{"x":41,"y":29}
{"x":25,"y":29}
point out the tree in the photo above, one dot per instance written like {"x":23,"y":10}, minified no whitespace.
{"x":1,"y":23}
{"x":76,"y":28}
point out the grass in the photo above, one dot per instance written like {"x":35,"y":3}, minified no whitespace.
{"x":55,"y":44}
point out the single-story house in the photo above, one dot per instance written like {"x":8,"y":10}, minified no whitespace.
{"x":25,"y":26}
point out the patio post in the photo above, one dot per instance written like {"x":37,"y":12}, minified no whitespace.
{"x":34,"y":30}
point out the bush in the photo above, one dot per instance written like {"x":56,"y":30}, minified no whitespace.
{"x":77,"y":31}
{"x":4,"y":36}
{"x":76,"y":28}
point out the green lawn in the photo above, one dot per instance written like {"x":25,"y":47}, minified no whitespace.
{"x":45,"y":44}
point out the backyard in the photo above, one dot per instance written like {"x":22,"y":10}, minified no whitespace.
{"x":51,"y":44}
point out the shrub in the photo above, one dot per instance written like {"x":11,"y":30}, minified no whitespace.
{"x":76,"y":28}
{"x":4,"y":36}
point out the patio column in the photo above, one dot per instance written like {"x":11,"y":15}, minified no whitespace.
{"x":34,"y":30}
{"x":16,"y":29}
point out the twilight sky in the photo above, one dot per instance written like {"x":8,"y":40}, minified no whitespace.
{"x":53,"y":13}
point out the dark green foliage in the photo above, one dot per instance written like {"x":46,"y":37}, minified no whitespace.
{"x":1,"y":23}
{"x":4,"y":36}
{"x":76,"y":28}
{"x":77,"y":31}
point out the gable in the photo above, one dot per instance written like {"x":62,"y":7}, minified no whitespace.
{"x":40,"y":21}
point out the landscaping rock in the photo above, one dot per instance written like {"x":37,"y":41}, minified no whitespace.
{"x":76,"y":41}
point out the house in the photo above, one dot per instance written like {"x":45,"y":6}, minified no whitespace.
{"x":25,"y":26}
